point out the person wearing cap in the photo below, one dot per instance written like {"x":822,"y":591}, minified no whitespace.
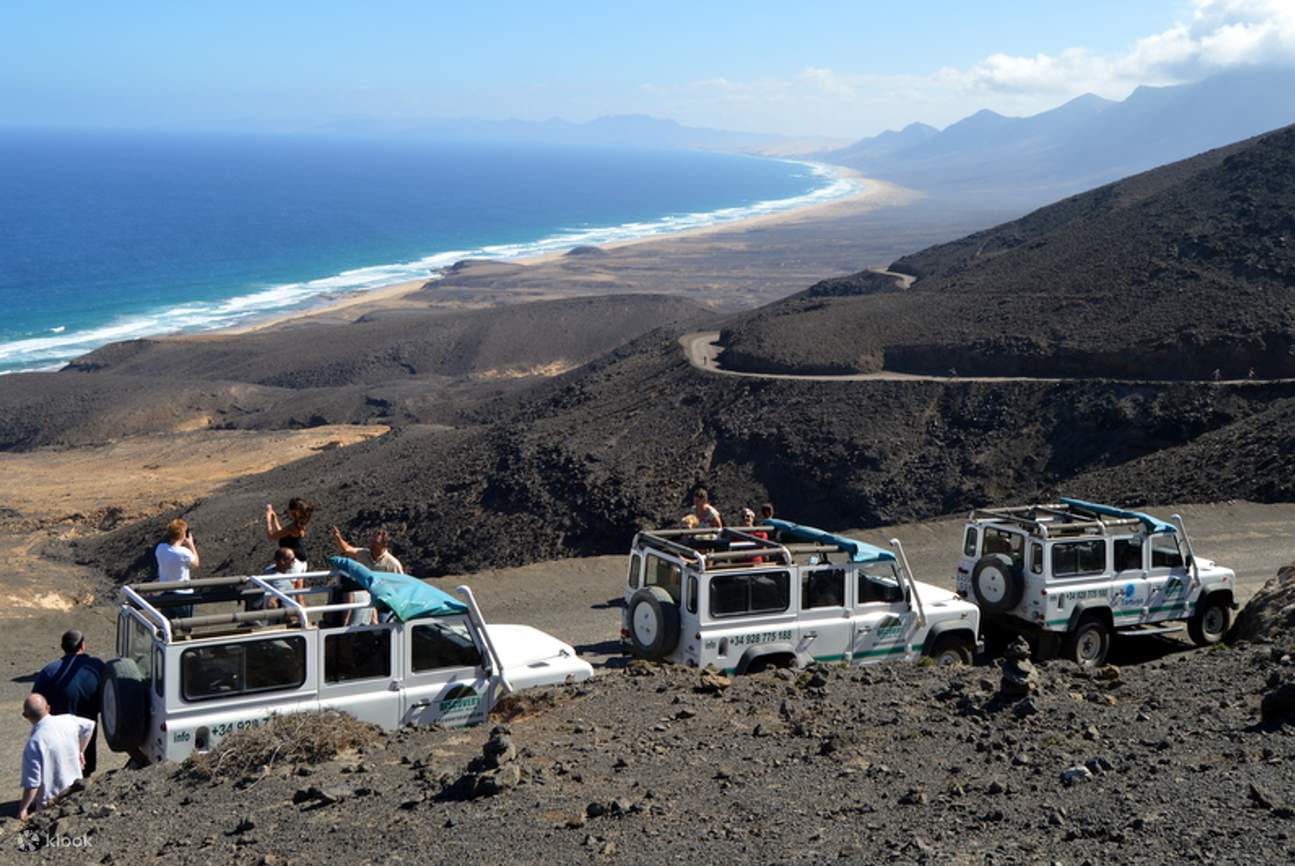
{"x":72,"y":685}
{"x":54,"y":754}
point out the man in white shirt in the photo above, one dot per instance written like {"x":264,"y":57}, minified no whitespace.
{"x":54,"y":754}
{"x":175,"y":557}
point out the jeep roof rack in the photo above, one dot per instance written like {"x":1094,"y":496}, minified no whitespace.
{"x":710,"y":547}
{"x":1070,"y":517}
{"x":152,"y":600}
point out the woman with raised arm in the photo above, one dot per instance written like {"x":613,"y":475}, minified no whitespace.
{"x":292,"y":536}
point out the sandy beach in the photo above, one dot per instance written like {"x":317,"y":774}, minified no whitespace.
{"x":869,"y":195}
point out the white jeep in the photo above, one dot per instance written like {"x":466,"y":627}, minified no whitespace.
{"x":735,"y":599}
{"x":229,"y":661}
{"x":1074,"y":573}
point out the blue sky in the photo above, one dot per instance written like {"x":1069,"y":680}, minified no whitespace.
{"x":841,"y":69}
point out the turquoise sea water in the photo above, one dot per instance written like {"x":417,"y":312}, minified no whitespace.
{"x":108,"y":236}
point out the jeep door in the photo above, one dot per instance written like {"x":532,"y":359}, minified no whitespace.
{"x":882,"y":616}
{"x":445,"y":679}
{"x":826,"y":629}
{"x":360,"y":673}
{"x":1129,"y":586}
{"x":1167,"y":578}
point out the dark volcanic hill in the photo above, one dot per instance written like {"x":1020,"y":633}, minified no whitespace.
{"x":1169,"y":274}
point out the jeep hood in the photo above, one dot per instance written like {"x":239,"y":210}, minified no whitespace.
{"x":523,"y":648}
{"x":934,"y":595}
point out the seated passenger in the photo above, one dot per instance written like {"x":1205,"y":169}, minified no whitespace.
{"x":748,"y":522}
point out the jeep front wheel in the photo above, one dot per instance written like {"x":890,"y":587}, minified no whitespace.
{"x":952,"y":650}
{"x":653,"y":623}
{"x":1210,"y":622}
{"x":997,"y":583}
{"x":1088,"y":644}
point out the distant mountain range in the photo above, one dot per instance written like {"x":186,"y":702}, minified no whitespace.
{"x":1083,"y":143}
{"x":620,"y":130}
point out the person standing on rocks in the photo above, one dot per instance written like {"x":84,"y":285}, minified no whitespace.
{"x":71,"y":685}
{"x":292,"y":536}
{"x":176,"y":557}
{"x":707,"y":514}
{"x":54,"y":754}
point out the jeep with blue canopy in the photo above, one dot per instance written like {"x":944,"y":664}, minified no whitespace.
{"x":1073,"y":574}
{"x":195,"y":666}
{"x":742,"y":599}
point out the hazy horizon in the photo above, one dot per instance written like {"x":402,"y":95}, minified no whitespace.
{"x":830,"y":70}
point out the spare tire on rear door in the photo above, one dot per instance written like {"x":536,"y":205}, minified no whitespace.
{"x":997,"y":583}
{"x":653,"y":622}
{"x":124,"y":705}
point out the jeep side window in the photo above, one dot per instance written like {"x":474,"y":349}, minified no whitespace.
{"x":1075,"y":558}
{"x":737,"y":594}
{"x":1128,"y":554}
{"x":226,"y":670}
{"x":442,"y":645}
{"x":632,"y":580}
{"x":824,"y":587}
{"x":357,"y":655}
{"x":1165,"y":552}
{"x":665,"y":575}
{"x":969,"y":544}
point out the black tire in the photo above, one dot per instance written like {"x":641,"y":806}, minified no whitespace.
{"x":1211,"y":621}
{"x":124,"y":708}
{"x":653,"y":623}
{"x":1090,"y":643}
{"x":952,"y":649}
{"x":997,"y":583}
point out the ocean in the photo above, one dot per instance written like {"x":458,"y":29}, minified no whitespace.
{"x":110,"y":236}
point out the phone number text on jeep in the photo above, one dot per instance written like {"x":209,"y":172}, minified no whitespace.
{"x":761,"y":637}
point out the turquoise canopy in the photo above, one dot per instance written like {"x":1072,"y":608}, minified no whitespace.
{"x":1154,"y":525}
{"x":860,"y":551}
{"x":407,"y":597}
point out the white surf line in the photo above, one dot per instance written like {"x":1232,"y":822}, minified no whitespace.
{"x":702,"y":349}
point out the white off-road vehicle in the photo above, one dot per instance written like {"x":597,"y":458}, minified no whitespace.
{"x":740,"y":601}
{"x":1073,"y":573}
{"x":230,"y":661}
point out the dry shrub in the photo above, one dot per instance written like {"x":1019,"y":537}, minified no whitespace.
{"x":293,"y":738}
{"x":515,"y":706}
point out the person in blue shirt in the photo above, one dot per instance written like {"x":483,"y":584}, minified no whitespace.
{"x":72,"y":685}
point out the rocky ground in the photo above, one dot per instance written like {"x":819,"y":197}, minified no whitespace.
{"x":1168,"y":761}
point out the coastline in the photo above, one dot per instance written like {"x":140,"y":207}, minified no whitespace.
{"x":869,"y":194}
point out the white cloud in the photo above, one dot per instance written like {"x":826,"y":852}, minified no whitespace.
{"x":1217,"y":35}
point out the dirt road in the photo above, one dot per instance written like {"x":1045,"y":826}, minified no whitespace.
{"x":702,"y":350}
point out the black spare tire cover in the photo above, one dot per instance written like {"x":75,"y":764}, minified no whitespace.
{"x":997,"y":583}
{"x":124,"y":705}
{"x":653,"y":623}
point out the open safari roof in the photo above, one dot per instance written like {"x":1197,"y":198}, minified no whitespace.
{"x":1070,"y":517}
{"x":711,"y":549}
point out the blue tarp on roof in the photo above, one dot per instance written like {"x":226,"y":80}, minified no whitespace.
{"x":1154,"y":525}
{"x":406,"y":596}
{"x":860,"y":551}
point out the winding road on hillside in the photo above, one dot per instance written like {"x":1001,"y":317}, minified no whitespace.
{"x":702,"y":349}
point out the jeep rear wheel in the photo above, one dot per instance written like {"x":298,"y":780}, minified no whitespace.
{"x":952,"y":650}
{"x":653,"y":623}
{"x":1210,"y":622}
{"x":997,"y":583}
{"x":1088,"y":644}
{"x":124,"y":705}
